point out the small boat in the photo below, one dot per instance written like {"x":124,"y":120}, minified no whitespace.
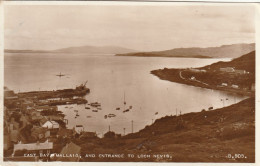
{"x":89,"y":116}
{"x":82,"y":102}
{"x":117,"y":108}
{"x":105,"y":116}
{"x":156,"y":113}
{"x":130,"y":107}
{"x":94,"y":110}
{"x":111,"y":115}
{"x":99,"y":108}
{"x":127,"y":110}
{"x":96,"y":104}
{"x":75,"y":110}
{"x":66,"y":107}
{"x":87,"y":107}
{"x":77,"y":114}
{"x":210,"y":108}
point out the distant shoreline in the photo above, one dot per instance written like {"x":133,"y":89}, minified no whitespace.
{"x":164,"y":56}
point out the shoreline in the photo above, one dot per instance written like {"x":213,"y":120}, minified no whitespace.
{"x":210,"y":135}
{"x":173,"y":75}
{"x":164,"y":56}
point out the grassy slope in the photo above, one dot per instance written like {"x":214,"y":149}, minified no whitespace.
{"x":245,"y":62}
{"x":207,"y":136}
{"x":213,"y":77}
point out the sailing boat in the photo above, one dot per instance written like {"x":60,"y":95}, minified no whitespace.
{"x":60,"y":75}
{"x":124,"y":99}
{"x":125,"y":110}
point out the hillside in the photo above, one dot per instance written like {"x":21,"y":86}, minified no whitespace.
{"x":95,"y":50}
{"x":224,"y":51}
{"x":206,"y":136}
{"x":245,"y":62}
{"x":82,"y":49}
{"x":238,"y":75}
{"x":25,"y":51}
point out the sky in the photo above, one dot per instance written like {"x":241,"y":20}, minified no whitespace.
{"x":139,"y":27}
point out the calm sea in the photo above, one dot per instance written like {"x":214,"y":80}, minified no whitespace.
{"x":109,"y":78}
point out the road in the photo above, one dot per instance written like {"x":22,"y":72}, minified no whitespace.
{"x":180,"y":73}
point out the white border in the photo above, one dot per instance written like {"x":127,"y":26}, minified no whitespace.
{"x":132,"y":3}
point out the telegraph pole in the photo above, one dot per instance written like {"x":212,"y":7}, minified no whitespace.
{"x":124,"y":131}
{"x":132,"y":126}
{"x":109,"y":128}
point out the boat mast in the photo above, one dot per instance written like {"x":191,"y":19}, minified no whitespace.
{"x":124,"y":99}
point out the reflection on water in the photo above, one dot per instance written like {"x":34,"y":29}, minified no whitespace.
{"x":109,"y":78}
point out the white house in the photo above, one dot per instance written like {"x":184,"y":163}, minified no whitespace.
{"x":51,"y":125}
{"x":79,"y":128}
{"x":193,"y":78}
{"x":224,"y":84}
{"x":235,"y":86}
{"x":34,"y":146}
{"x":227,"y":69}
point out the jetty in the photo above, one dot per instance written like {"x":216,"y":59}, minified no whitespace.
{"x":80,"y":90}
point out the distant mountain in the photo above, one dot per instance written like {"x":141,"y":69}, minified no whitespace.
{"x":25,"y":51}
{"x":82,"y":49}
{"x":96,"y":50}
{"x":224,"y":51}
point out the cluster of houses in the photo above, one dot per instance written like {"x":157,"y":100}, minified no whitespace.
{"x":230,"y":70}
{"x":232,"y":73}
{"x":32,"y":128}
{"x":233,"y":70}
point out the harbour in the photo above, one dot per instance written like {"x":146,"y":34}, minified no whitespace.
{"x":110,"y":98}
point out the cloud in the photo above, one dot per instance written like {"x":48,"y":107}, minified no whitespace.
{"x":138,"y":27}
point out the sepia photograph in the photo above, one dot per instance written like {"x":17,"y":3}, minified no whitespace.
{"x":129,"y":82}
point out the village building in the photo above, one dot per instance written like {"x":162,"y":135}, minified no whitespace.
{"x":193,"y":78}
{"x":43,"y":121}
{"x":88,"y":135}
{"x":24,"y":120}
{"x":9,"y":94}
{"x":47,"y":108}
{"x":233,"y":70}
{"x":51,"y":125}
{"x":65,"y":133}
{"x":44,"y":147}
{"x":227,"y":69}
{"x":240,"y":72}
{"x":224,"y":84}
{"x":79,"y":128}
{"x":197,"y":70}
{"x":235,"y":86}
{"x":36,"y":115}
{"x":39,"y":133}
